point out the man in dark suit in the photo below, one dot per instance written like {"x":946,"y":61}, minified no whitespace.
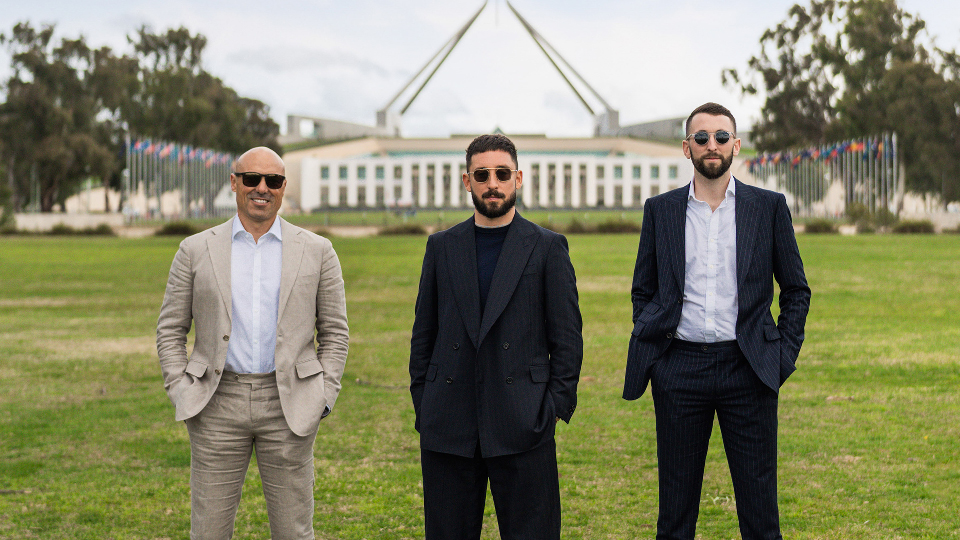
{"x":494,"y":360}
{"x":703,"y":334}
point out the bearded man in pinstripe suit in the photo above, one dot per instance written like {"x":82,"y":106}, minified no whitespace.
{"x":703,"y":333}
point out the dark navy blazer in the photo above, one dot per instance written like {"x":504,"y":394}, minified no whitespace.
{"x":502,"y":379}
{"x":766,"y":250}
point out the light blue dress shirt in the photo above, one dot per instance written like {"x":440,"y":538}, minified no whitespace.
{"x":710,"y":310}
{"x":255,"y":299}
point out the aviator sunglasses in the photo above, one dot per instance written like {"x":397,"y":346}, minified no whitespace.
{"x":252,"y":179}
{"x":503,"y":174}
{"x":702,"y":137}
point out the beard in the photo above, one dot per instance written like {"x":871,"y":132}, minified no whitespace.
{"x":491,"y":210}
{"x":713,"y":170}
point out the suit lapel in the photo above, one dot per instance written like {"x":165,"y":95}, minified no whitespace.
{"x":218,"y":247}
{"x":746,"y":219}
{"x":292,"y":248}
{"x":461,"y":258}
{"x":676,"y":220}
{"x":517,"y":247}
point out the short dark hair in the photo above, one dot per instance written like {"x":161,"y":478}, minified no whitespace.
{"x":489,"y":143}
{"x":711,"y":108}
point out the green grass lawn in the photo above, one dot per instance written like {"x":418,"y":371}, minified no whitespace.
{"x":869,"y":424}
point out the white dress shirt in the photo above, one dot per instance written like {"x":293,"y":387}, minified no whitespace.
{"x":255,"y":299}
{"x":709,"y":312}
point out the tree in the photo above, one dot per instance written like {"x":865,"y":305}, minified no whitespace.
{"x":68,"y":108}
{"x":48,"y":123}
{"x":179,"y":101}
{"x":849,"y":68}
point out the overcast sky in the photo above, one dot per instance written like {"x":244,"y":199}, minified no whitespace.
{"x":344,"y":59}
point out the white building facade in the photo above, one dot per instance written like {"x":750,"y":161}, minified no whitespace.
{"x":565,"y":179}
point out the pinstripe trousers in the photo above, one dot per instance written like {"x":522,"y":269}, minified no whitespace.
{"x":244,"y":413}
{"x":691,"y":383}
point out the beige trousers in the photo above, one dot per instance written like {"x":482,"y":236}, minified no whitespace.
{"x":244,"y":414}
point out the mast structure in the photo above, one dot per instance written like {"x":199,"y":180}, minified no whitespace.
{"x":606,"y":122}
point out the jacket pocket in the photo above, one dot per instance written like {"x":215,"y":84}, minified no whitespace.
{"x":540,"y":374}
{"x":771,"y":333}
{"x":197,"y":369}
{"x":431,"y":372}
{"x":309,"y":368}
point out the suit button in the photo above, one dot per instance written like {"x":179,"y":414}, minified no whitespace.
{"x":456,"y":346}
{"x":680,"y":301}
{"x":449,"y":380}
{"x":705,"y":348}
{"x":226,"y":338}
{"x":509,"y":380}
{"x":217,"y":371}
{"x":669,"y":335}
{"x":506,"y":345}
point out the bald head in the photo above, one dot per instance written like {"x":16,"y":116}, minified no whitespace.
{"x":259,"y":159}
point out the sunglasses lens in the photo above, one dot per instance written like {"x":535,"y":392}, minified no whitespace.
{"x":722,"y":137}
{"x":701,"y":137}
{"x":274,"y":181}
{"x":250,"y":179}
{"x":504,"y":174}
{"x":481,"y":175}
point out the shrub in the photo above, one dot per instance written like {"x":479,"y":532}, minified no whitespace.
{"x":177,"y":228}
{"x":618,"y":226}
{"x":406,"y":228}
{"x":576,"y":227}
{"x":100,"y":230}
{"x":62,"y":229}
{"x":551,"y":226}
{"x":919,"y":226}
{"x":885,"y":218}
{"x":865,"y":227}
{"x":323,"y":231}
{"x":857,"y":212}
{"x":820,"y":226}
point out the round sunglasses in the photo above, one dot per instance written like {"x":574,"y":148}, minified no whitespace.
{"x":483,"y":174}
{"x":702,"y":137}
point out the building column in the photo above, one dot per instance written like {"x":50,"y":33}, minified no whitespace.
{"x":352,"y":184}
{"x":543,"y":186}
{"x":591,"y":183}
{"x":422,"y":185}
{"x":309,"y":184}
{"x":559,"y":183}
{"x":438,"y":184}
{"x":333,"y":185}
{"x":456,"y":185}
{"x":575,"y":195}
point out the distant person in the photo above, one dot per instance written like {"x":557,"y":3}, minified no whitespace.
{"x":494,"y":360}
{"x":703,"y":334}
{"x":258,"y":290}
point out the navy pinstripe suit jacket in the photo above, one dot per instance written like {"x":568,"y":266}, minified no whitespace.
{"x":766,"y":249}
{"x":505,"y":377}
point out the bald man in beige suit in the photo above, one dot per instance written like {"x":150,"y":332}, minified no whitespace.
{"x":267,"y":299}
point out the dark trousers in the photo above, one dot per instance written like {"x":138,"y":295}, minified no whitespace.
{"x":525,"y":488}
{"x":691,"y":383}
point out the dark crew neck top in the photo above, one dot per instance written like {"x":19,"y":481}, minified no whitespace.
{"x":489,"y":241}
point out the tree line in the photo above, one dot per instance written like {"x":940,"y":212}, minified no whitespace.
{"x":839,"y":69}
{"x":68,"y":109}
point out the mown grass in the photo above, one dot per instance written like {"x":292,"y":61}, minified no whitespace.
{"x":868,"y":425}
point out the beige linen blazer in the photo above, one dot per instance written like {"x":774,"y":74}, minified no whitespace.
{"x":312,"y":332}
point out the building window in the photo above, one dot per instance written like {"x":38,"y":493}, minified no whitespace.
{"x":618,"y":171}
{"x":397,"y":172}
{"x":343,"y":172}
{"x":654,"y":171}
{"x":654,"y":191}
{"x":379,"y":172}
{"x":361,"y":172}
{"x":325,"y":172}
{"x":672,"y":171}
{"x":599,"y":172}
{"x":636,"y":172}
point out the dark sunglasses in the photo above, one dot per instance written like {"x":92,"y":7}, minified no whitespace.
{"x":503,"y":174}
{"x":252,"y":179}
{"x":702,"y":137}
